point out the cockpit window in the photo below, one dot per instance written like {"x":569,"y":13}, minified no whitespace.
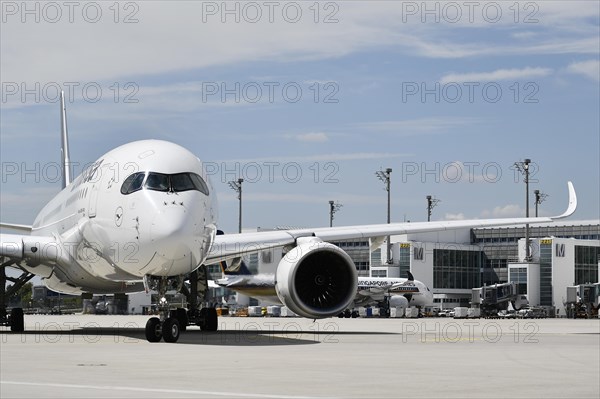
{"x":133,"y":183}
{"x":182,"y":182}
{"x":199,"y":183}
{"x":157,"y":182}
{"x":174,"y":183}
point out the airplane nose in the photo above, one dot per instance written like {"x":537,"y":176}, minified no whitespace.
{"x":168,"y":221}
{"x":170,"y":234}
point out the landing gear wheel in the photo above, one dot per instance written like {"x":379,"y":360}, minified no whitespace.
{"x":209,"y":319}
{"x":17,"y":322}
{"x":154,"y":330}
{"x":181,"y":316}
{"x":170,"y":330}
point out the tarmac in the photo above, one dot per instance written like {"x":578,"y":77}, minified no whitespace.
{"x":79,"y":356}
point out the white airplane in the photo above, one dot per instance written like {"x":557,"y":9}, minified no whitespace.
{"x":400,"y":292}
{"x":144,"y":216}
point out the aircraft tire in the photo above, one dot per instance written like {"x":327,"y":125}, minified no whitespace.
{"x":17,"y":321}
{"x":171,"y":330}
{"x":153,"y":330}
{"x":181,"y":315}
{"x":209,"y":315}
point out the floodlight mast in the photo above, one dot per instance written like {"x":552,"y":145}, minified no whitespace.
{"x":431,"y":203}
{"x":539,"y":198}
{"x":523,"y":167}
{"x":333,"y":208}
{"x":237,"y":187}
{"x":384,"y":176}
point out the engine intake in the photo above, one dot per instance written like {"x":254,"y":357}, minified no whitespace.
{"x":316,"y":279}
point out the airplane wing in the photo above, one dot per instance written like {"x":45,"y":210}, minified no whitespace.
{"x":235,"y":245}
{"x":11,"y":226}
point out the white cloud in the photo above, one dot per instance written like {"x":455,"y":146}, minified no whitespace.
{"x":170,"y":37}
{"x":589,"y":69}
{"x":506,"y":211}
{"x":331,"y":157}
{"x":315,"y":137}
{"x":439,"y":47}
{"x":454,"y":216}
{"x":410,"y":127}
{"x":499,"y":74}
{"x":470,"y":172}
{"x":524,"y":35}
{"x":177,"y":36}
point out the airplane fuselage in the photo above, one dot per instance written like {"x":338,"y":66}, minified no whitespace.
{"x":145,"y":208}
{"x":370,"y":289}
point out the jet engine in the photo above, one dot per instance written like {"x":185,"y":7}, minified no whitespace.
{"x":398,"y":301}
{"x":316,"y":279}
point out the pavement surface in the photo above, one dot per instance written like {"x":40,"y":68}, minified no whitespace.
{"x":80,"y":356}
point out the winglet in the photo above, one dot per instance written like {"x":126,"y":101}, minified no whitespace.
{"x":66,"y":161}
{"x":410,"y":276}
{"x":572,"y":203}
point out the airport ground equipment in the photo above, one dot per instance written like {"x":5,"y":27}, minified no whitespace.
{"x":14,"y":319}
{"x":582,"y":301}
{"x":494,"y":298}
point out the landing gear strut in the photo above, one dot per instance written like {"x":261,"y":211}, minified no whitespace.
{"x":206,"y":318}
{"x":165,"y":326}
{"x":15,"y":320}
{"x":171,"y":323}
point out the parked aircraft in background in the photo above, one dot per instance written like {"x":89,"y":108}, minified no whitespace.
{"x":400,"y":292}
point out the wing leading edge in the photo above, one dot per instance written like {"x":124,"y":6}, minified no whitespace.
{"x":234,"y":245}
{"x":18,"y":227}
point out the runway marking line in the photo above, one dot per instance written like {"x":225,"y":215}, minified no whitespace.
{"x":160,"y":390}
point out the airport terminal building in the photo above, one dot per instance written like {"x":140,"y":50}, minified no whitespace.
{"x":451,"y":263}
{"x":454,"y":262}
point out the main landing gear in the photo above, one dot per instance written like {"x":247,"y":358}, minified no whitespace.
{"x":15,"y":320}
{"x":171,"y":322}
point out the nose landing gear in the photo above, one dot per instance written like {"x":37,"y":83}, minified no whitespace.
{"x":166,"y":326}
{"x":168,"y":330}
{"x":171,"y":323}
{"x":154,"y":330}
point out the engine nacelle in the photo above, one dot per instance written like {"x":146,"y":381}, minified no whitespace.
{"x":316,"y":279}
{"x":398,"y":301}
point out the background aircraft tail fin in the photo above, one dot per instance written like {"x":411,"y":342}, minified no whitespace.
{"x":235,"y":267}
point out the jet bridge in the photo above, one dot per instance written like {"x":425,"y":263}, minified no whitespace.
{"x":493,"y":298}
{"x":583,"y":301}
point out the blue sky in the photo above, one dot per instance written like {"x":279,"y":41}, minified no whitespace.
{"x":498,"y":88}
